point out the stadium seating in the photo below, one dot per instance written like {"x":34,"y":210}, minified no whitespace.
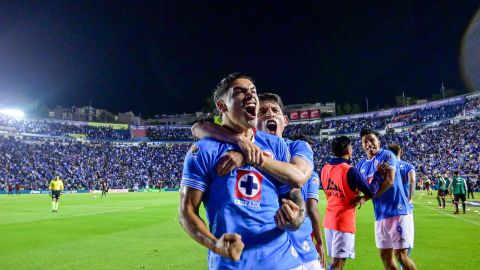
{"x":34,"y":160}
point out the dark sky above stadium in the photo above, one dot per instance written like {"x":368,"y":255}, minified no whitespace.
{"x":159,"y":57}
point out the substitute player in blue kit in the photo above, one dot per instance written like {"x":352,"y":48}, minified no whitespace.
{"x":393,"y":214}
{"x":407,"y":172}
{"x":241,"y":206}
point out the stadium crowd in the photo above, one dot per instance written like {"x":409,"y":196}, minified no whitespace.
{"x":52,"y":128}
{"x":346,"y":125}
{"x":33,"y":163}
{"x":167,"y":133}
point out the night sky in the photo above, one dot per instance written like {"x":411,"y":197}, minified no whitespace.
{"x":166,"y":57}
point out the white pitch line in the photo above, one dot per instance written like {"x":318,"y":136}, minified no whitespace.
{"x":79,"y":215}
{"x":102,"y":212}
{"x":95,"y":207}
{"x":467,"y":220}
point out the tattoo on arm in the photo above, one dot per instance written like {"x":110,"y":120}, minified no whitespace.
{"x":296,"y":196}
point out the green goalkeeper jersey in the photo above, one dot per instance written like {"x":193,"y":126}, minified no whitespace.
{"x":459,"y":185}
{"x":447,"y":183}
{"x":442,"y":184}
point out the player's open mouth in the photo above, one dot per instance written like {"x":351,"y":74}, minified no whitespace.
{"x":251,"y":109}
{"x":271,"y":126}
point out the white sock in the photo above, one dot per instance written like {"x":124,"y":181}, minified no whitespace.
{"x":53,"y":205}
{"x":56,"y":206}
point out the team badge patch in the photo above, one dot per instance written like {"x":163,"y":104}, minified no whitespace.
{"x":248,"y":185}
{"x":194,"y":149}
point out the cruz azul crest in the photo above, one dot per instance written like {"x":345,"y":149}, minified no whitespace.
{"x":248,"y":185}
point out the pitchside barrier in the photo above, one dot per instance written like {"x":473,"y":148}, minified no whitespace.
{"x":157,"y":190}
{"x":90,"y":191}
{"x":27,"y":191}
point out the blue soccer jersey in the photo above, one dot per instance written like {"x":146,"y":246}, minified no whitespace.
{"x":243,"y":202}
{"x":300,"y":149}
{"x":405,"y":168}
{"x":301,"y":238}
{"x":392,"y":202}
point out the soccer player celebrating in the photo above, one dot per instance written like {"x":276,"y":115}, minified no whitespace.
{"x":241,"y":205}
{"x":407,"y":172}
{"x":342,"y":184}
{"x":459,"y":186}
{"x":56,"y":189}
{"x":442,"y":189}
{"x":271,"y":119}
{"x":393,"y":214}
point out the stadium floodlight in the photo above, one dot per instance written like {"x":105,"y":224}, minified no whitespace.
{"x":15,"y":113}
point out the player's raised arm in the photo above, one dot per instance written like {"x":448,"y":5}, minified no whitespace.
{"x":295,"y":173}
{"x":252,"y":153}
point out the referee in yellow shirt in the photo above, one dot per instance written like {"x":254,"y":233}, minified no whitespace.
{"x":56,"y":189}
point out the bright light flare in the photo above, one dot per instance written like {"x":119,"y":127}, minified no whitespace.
{"x":470,"y":54}
{"x":15,"y":113}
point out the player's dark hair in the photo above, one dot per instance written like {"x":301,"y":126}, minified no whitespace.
{"x":272,"y":98}
{"x":455,"y":173}
{"x":225,"y":83}
{"x":367,"y":131}
{"x":339,"y":145}
{"x":301,"y":137}
{"x":395,"y":148}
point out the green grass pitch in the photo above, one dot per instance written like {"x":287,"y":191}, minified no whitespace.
{"x":141,"y":231}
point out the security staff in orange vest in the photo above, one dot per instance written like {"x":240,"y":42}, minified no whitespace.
{"x":342,"y":184}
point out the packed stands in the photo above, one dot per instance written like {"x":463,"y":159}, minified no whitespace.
{"x":435,"y":139}
{"x":168,"y":133}
{"x":34,"y":162}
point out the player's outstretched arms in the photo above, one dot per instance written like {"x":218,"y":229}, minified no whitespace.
{"x":291,"y":213}
{"x":229,"y":245}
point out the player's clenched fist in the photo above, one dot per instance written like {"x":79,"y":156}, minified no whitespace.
{"x":230,"y":245}
{"x":288,"y":215}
